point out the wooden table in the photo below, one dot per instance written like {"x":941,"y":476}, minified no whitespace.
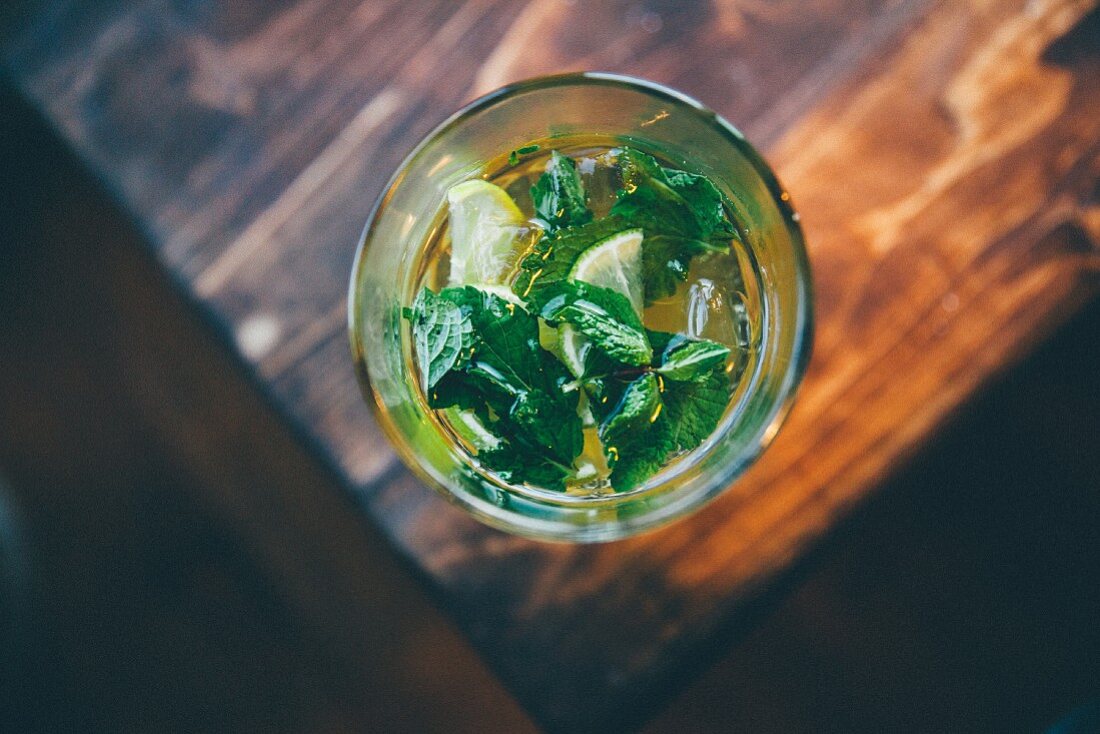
{"x":945,"y":158}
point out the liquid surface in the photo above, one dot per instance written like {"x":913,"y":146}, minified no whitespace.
{"x":718,"y":300}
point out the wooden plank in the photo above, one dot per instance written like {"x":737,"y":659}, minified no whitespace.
{"x":944,"y":157}
{"x":191,"y":566}
{"x":962,"y":597}
{"x":253,"y":173}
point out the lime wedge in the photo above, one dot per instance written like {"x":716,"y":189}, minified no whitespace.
{"x":467,"y":425}
{"x":485,"y":226}
{"x":616,"y":263}
{"x":500,"y":291}
{"x":465,"y":422}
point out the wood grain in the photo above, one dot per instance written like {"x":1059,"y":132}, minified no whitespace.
{"x":961,"y":597}
{"x":190,"y":565}
{"x":944,"y":156}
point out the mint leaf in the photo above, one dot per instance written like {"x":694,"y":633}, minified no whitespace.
{"x":502,"y":373}
{"x":548,"y":421}
{"x":683,"y":215}
{"x":601,"y":314}
{"x":690,"y":412}
{"x":441,"y":334}
{"x":639,"y":406}
{"x":635,"y":447}
{"x":506,"y":354}
{"x":559,"y":195}
{"x":678,"y":203}
{"x":647,"y":419}
{"x":693,"y":409}
{"x":518,"y":465}
{"x":552,"y":257}
{"x":664,"y":265}
{"x":691,"y":359}
{"x":458,"y":390}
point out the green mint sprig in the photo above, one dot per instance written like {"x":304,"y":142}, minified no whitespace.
{"x":665,"y":408}
{"x":682,"y":214}
{"x":601,"y":314}
{"x":559,"y":195}
{"x":553,"y":256}
{"x":477,"y":351}
{"x":654,"y":395}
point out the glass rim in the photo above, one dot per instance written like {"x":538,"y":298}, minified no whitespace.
{"x":802,"y":342}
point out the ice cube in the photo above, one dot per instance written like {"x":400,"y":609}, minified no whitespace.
{"x":713,"y":312}
{"x":701,"y":296}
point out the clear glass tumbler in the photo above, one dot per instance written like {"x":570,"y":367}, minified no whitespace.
{"x":644,"y":115}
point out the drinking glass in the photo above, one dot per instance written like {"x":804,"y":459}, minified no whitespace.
{"x":632,"y":112}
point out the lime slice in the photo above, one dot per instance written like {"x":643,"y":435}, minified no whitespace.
{"x":467,"y":425}
{"x":465,"y":422}
{"x":485,"y":225}
{"x":616,"y":263}
{"x":573,"y":347}
{"x":500,"y":291}
{"x":591,"y":465}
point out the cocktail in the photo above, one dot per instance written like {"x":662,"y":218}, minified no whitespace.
{"x":582,"y":307}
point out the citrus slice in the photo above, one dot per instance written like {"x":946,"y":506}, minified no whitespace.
{"x":468,"y":426}
{"x":466,"y":423}
{"x":485,"y":225}
{"x":615,"y":263}
{"x":500,"y":291}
